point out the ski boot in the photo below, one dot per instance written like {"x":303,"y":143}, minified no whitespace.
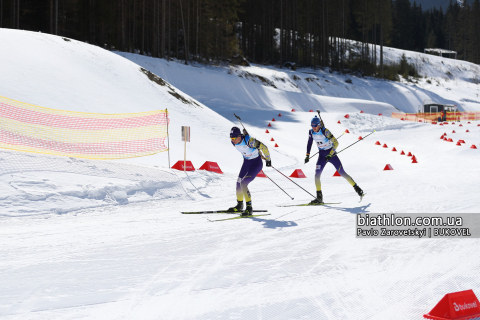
{"x":237,"y":208}
{"x":358,"y":190}
{"x":318,"y":200}
{"x":248,"y":211}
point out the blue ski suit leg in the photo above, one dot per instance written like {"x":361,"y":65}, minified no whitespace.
{"x":249,"y":171}
{"x":335,"y":161}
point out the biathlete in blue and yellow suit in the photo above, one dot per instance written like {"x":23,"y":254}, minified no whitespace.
{"x":327,"y":145}
{"x":251,"y":150}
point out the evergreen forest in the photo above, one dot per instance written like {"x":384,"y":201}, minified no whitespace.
{"x":340,"y":34}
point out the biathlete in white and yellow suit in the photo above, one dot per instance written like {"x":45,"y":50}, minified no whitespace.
{"x":327,"y":145}
{"x":251,"y":150}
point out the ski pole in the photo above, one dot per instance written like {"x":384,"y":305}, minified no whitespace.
{"x":240,"y":122}
{"x":319,"y":151}
{"x":295,"y":183}
{"x":356,"y":142}
{"x":278,"y":185}
{"x":313,"y":155}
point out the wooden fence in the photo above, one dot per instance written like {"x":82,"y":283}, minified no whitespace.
{"x":437,"y":116}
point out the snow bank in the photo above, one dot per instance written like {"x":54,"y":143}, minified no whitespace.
{"x":35,"y":184}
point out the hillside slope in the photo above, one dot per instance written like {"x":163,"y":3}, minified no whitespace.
{"x":66,"y":74}
{"x":442,"y":80}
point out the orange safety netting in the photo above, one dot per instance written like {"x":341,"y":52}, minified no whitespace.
{"x":431,"y":117}
{"x":30,"y":128}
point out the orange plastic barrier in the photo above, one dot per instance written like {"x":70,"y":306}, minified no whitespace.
{"x":432,"y":117}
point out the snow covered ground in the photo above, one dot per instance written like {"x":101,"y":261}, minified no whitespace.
{"x":105,"y":240}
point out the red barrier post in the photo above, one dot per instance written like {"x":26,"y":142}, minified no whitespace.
{"x":456,"y":306}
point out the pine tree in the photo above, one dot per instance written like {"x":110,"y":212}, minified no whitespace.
{"x":403,"y":28}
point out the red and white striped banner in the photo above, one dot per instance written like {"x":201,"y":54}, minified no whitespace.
{"x":26,"y":127}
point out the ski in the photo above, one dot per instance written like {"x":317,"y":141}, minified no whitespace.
{"x":219,"y":211}
{"x":239,"y":217}
{"x":307,"y":204}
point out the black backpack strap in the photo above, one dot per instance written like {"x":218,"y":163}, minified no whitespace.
{"x":323,"y":131}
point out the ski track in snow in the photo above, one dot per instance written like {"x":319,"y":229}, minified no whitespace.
{"x":292,"y":264}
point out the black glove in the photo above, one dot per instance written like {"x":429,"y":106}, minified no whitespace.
{"x":307,"y":158}
{"x":245,"y":133}
{"x":269,"y":163}
{"x":328,"y":157}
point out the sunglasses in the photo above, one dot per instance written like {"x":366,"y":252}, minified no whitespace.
{"x":315,"y":125}
{"x":234,"y":138}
